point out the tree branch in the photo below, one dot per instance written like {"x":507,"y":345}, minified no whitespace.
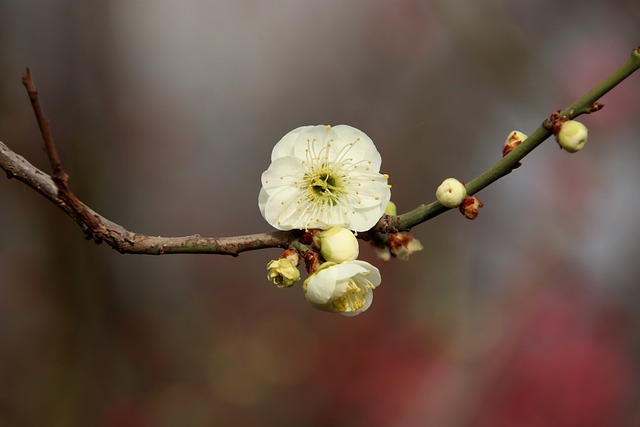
{"x":123,"y":240}
{"x":55,"y":188}
{"x":584,"y":105}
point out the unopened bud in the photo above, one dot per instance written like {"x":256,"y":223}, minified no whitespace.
{"x":391,"y":209}
{"x":572,"y":135}
{"x":514,"y":139}
{"x":402,"y":245}
{"x":383,"y":252}
{"x":451,"y":193}
{"x":338,"y":245}
{"x":312,"y":261}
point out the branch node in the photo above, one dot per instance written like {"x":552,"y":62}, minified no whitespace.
{"x":596,"y":106}
{"x":551,"y":120}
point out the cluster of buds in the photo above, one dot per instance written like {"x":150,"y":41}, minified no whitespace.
{"x":338,"y":282}
{"x":453,"y":194}
{"x":399,"y":245}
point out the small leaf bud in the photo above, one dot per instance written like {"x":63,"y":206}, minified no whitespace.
{"x":469,"y":207}
{"x":451,"y":193}
{"x":572,"y":136}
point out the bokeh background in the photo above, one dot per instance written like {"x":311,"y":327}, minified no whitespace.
{"x":165,"y":114}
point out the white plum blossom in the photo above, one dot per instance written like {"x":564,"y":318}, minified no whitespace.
{"x":323,"y":176}
{"x":345,"y":288}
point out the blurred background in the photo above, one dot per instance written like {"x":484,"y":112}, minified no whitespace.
{"x":165,"y":114}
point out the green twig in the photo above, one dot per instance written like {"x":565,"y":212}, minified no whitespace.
{"x":584,"y":105}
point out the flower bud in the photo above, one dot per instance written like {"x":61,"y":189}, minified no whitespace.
{"x":292,"y":255}
{"x":283,"y":272}
{"x":514,"y":139}
{"x":572,"y":135}
{"x":469,"y":207}
{"x":402,"y":245}
{"x":338,"y":245}
{"x":391,"y":209}
{"x":312,"y":261}
{"x":451,"y":193}
{"x":383,"y":252}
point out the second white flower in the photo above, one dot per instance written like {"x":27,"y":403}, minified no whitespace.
{"x":345,"y":288}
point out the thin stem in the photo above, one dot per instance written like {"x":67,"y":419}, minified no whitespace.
{"x":59,"y":175}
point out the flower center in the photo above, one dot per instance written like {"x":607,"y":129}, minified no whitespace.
{"x":323,"y":186}
{"x":354,"y":297}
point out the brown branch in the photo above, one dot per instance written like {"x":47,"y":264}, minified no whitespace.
{"x":56,"y":189}
{"x":59,"y":176}
{"x":81,"y":213}
{"x":123,"y":240}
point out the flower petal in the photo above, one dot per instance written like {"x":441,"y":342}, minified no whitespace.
{"x":363,"y":147}
{"x":282,"y":210}
{"x":321,"y":285}
{"x":349,"y":269}
{"x":285,"y":147}
{"x":283,"y":172}
{"x":373,"y":274}
{"x":263,"y":197}
{"x":368,"y":190}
